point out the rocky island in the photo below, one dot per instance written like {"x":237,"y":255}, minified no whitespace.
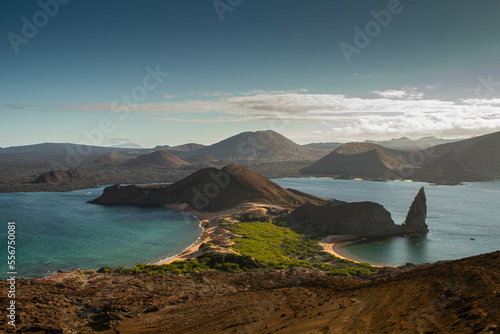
{"x":216,"y":191}
{"x":213,"y":190}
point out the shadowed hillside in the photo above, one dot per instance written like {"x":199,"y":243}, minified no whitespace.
{"x":360,"y":160}
{"x":472,"y":159}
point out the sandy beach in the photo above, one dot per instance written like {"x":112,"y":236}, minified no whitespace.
{"x":193,"y":251}
{"x":332,"y":248}
{"x":210,"y":222}
{"x":330,"y":244}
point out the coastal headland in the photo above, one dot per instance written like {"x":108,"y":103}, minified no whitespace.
{"x":223,"y":196}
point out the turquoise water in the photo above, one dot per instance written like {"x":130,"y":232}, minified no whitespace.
{"x":60,"y":231}
{"x":455,"y":215}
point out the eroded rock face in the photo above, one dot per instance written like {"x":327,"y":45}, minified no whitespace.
{"x":415,"y":219}
{"x":366,"y":219}
{"x":361,"y":219}
{"x":58,"y":176}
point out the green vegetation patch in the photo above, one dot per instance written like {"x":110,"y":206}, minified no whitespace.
{"x":278,"y":247}
{"x":264,"y":244}
{"x":273,"y":246}
{"x":223,"y":262}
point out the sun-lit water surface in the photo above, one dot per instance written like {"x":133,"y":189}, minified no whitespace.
{"x":60,"y":231}
{"x":456,"y":214}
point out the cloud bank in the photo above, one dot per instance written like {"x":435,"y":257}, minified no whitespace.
{"x":392,"y":113}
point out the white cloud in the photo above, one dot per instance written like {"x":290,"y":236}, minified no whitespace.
{"x":341,"y":116}
{"x":481,"y":102}
{"x":411,"y":94}
{"x":169,"y":96}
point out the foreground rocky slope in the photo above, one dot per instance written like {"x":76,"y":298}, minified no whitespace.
{"x":449,"y":297}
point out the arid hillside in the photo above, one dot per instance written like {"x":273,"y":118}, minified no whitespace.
{"x":460,"y":296}
{"x":209,"y":189}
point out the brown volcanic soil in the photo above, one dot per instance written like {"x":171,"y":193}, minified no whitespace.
{"x":460,"y":296}
{"x":58,"y":176}
{"x":209,"y":189}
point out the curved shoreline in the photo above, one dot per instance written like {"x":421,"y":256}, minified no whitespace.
{"x":187,"y":249}
{"x":334,"y":249}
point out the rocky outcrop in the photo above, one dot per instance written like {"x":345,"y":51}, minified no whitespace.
{"x":214,"y":190}
{"x":211,"y":190}
{"x":366,"y":219}
{"x":360,"y":219}
{"x":415,"y":219}
{"x":58,"y":176}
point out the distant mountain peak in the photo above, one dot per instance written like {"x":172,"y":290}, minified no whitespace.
{"x":159,"y":158}
{"x":360,"y":160}
{"x":259,"y":145}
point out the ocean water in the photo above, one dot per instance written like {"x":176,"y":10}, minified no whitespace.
{"x":60,"y":231}
{"x":463,"y":220}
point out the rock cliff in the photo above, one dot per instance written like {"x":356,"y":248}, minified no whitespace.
{"x":366,"y":219}
{"x":361,"y":219}
{"x":415,"y":219}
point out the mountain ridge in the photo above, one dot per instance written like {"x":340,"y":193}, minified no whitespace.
{"x":360,"y":160}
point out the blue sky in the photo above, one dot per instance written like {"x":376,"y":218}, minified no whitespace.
{"x":429,"y":68}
